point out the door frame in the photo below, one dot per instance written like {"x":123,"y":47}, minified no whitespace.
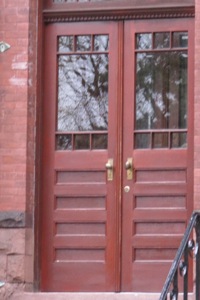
{"x":50,"y":13}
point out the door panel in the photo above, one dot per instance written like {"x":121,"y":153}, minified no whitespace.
{"x":155,"y":133}
{"x":79,"y":238}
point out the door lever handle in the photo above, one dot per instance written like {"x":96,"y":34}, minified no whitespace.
{"x":109,"y":164}
{"x":128,"y":164}
{"x":129,"y":168}
{"x":109,"y":167}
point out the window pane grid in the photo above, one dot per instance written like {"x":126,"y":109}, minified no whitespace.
{"x":83,"y":44}
{"x":82,"y":141}
{"x":160,"y":139}
{"x":161,"y":41}
{"x":160,"y":119}
{"x":82,"y":108}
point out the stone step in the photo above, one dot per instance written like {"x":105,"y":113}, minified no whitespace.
{"x":87,"y":296}
{"x":90,"y":296}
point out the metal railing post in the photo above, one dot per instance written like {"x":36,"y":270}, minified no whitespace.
{"x":185,"y":278}
{"x":187,"y":246}
{"x":197,"y":228}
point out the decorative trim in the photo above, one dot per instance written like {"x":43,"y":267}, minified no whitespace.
{"x":117,"y":15}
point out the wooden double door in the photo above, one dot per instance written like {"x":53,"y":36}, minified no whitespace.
{"x":117,"y":144}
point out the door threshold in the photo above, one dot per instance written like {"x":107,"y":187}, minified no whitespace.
{"x":90,"y":296}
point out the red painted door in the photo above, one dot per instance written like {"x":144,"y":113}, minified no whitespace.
{"x":157,"y":148}
{"x":116,"y":160}
{"x":79,"y":233}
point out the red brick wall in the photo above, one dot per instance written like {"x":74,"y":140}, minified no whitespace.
{"x":197,"y":110}
{"x":14,"y":30}
{"x":14,"y":24}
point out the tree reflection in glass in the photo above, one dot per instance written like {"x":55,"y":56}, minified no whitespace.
{"x":82,"y":108}
{"x":161,"y":90}
{"x":82,"y":92}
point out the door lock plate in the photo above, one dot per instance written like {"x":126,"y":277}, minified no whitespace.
{"x":127,"y":189}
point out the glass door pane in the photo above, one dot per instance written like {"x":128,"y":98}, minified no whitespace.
{"x":161,"y":90}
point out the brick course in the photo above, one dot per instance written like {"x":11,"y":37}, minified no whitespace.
{"x":13,"y":104}
{"x":197,"y":110}
{"x":14,"y":28}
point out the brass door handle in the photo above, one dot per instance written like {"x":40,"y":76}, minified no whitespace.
{"x":128,"y":164}
{"x":129,"y":168}
{"x":109,"y":167}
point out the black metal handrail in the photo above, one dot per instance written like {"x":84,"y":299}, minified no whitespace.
{"x":181,"y":262}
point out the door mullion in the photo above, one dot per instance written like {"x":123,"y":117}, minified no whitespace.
{"x":120,"y":80}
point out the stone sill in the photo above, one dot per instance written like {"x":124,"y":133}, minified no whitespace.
{"x":12,"y":219}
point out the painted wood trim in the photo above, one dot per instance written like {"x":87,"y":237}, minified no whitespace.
{"x":116,"y":13}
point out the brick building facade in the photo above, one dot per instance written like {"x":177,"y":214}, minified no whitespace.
{"x":14,"y":29}
{"x":21,"y":94}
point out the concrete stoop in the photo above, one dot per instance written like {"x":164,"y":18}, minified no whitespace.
{"x":90,"y":296}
